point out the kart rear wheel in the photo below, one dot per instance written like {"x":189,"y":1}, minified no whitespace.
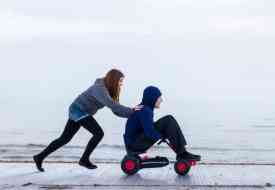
{"x":182,"y":167}
{"x":130,"y":165}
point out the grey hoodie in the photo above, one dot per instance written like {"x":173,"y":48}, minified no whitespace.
{"x":95,"y":98}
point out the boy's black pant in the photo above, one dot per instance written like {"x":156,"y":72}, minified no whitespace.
{"x":169,"y":128}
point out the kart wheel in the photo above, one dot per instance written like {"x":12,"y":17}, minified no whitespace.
{"x":130,"y":165}
{"x":182,"y":167}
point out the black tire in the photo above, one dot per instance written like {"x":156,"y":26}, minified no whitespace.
{"x":182,"y":167}
{"x":130,"y":165}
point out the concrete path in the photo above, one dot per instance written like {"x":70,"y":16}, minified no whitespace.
{"x":62,"y":175}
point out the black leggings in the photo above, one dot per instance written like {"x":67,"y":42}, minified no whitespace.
{"x":70,"y":130}
{"x":169,"y":128}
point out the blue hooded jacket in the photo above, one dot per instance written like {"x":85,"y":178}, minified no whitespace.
{"x":142,"y":121}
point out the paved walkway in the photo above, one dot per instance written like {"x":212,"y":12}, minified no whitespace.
{"x":109,"y":176}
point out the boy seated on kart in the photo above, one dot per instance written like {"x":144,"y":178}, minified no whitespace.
{"x":142,"y":132}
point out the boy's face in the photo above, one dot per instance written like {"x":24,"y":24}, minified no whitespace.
{"x":158,"y":102}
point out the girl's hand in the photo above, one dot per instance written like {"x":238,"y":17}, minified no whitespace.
{"x":138,"y":107}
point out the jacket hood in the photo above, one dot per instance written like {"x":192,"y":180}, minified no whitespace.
{"x":150,"y":96}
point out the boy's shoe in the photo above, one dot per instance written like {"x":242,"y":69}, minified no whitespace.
{"x":87,"y":164}
{"x":38,"y":162}
{"x":188,"y":156}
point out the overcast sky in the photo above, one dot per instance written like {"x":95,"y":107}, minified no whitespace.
{"x":52,"y":50}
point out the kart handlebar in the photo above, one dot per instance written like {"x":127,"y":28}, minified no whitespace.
{"x":163,"y":140}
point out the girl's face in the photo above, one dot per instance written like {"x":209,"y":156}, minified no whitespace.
{"x":120,"y":82}
{"x":158,"y":102}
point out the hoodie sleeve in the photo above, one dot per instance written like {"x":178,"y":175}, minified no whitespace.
{"x":146,"y":119}
{"x":103,"y":97}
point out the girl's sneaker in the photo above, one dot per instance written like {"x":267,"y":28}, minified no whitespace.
{"x":38,"y":162}
{"x":87,"y":164}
